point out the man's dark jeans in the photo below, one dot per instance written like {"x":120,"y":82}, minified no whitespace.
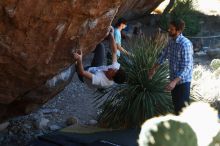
{"x":99,"y":55}
{"x":180,"y":96}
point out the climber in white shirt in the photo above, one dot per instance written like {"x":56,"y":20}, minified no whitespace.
{"x":98,"y":75}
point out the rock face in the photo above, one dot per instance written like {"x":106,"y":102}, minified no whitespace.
{"x":37,"y":38}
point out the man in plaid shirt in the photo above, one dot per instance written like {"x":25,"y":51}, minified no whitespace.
{"x":179,"y":52}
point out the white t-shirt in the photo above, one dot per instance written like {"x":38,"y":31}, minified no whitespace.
{"x":98,"y":78}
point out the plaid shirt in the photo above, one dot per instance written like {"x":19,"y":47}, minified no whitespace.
{"x":179,"y":52}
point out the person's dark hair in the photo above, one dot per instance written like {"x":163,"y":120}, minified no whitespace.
{"x":179,"y":24}
{"x":121,"y":21}
{"x":120,"y":76}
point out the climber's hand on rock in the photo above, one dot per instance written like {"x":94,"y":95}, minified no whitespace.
{"x":78,"y":55}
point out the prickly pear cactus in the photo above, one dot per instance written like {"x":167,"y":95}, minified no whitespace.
{"x":168,"y":133}
{"x":216,"y":140}
{"x":215,"y":64}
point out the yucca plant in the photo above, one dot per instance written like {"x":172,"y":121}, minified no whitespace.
{"x":140,"y":98}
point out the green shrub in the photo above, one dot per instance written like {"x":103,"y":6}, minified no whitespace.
{"x":183,"y":9}
{"x":130,"y":104}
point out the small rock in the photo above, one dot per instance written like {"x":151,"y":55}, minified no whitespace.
{"x":27,"y":126}
{"x":54,"y":127}
{"x":99,"y":111}
{"x":10,"y":134}
{"x":38,"y":134}
{"x":93,"y":122}
{"x":4,"y":125}
{"x":38,"y":116}
{"x":41,"y":123}
{"x":71,"y":121}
